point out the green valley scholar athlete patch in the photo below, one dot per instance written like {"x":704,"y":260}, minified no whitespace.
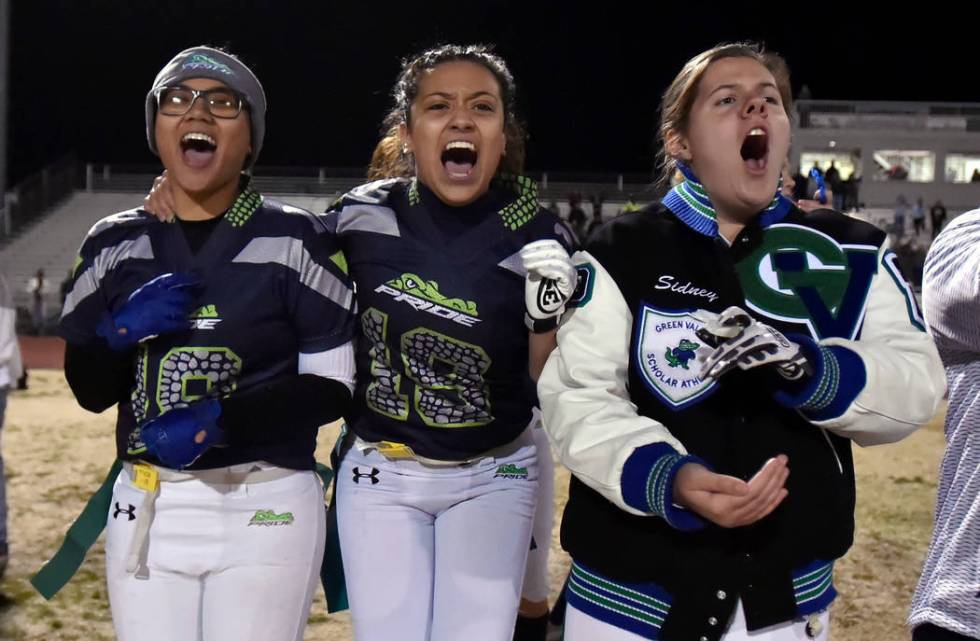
{"x":666,"y":345}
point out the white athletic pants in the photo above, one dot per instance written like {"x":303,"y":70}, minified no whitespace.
{"x":537,"y":582}
{"x":435,"y":553}
{"x":227,"y":562}
{"x":581,"y":627}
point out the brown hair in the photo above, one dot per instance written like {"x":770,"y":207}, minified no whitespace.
{"x":388,"y":161}
{"x":678,"y":99}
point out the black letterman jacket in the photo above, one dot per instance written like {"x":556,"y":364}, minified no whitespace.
{"x":623,"y":404}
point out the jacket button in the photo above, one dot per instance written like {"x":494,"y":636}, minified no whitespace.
{"x":712,"y":621}
{"x":721,"y":595}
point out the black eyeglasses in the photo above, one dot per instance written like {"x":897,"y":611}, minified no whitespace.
{"x":221,"y":102}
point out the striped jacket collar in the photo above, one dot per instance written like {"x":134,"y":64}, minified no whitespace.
{"x":690,"y":203}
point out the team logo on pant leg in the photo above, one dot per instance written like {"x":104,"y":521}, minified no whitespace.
{"x":666,"y":344}
{"x":373,"y":475}
{"x":131,"y":512}
{"x":269,"y":517}
{"x":511,"y":471}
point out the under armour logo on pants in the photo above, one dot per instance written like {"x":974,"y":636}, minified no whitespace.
{"x":131,"y":512}
{"x":373,"y":475}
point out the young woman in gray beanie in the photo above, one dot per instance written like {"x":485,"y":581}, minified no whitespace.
{"x":225,"y":341}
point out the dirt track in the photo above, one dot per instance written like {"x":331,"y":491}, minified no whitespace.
{"x":56,"y":454}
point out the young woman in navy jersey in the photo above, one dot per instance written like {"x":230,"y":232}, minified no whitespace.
{"x":434,"y":541}
{"x":225,"y":341}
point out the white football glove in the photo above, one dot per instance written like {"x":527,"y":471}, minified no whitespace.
{"x":551,"y":280}
{"x":738,"y":340}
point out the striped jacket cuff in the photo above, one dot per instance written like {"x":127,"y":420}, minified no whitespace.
{"x":838,"y":378}
{"x":647,"y":484}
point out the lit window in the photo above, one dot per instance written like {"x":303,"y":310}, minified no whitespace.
{"x":905,"y":165}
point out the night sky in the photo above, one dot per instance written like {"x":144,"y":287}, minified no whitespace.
{"x":589,"y":75}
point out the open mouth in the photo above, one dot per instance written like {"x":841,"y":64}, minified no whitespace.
{"x":755,"y":149}
{"x":198,"y":149}
{"x":459,"y":158}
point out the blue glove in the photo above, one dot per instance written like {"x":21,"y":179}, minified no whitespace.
{"x":821,"y":194}
{"x":160,"y":306}
{"x":178,"y":437}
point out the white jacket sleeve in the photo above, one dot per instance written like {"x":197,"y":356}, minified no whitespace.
{"x":587,"y":410}
{"x":903,"y":377}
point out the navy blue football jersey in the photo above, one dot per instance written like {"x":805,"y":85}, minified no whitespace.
{"x":442,"y":349}
{"x":271,"y":289}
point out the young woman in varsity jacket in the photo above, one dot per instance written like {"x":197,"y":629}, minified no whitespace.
{"x":680,"y":418}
